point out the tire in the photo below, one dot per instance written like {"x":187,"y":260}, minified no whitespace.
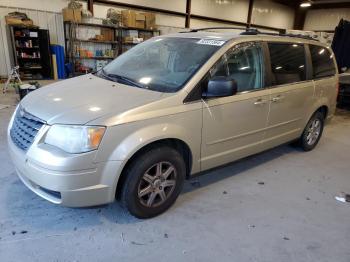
{"x":312,"y":132}
{"x":153,"y":182}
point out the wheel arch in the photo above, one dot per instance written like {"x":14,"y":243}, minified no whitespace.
{"x":176,"y":143}
{"x":324,"y":110}
{"x":321,"y":106}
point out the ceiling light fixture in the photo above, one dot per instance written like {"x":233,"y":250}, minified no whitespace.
{"x":305,"y":4}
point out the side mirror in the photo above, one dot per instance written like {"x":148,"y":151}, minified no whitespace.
{"x":221,"y":86}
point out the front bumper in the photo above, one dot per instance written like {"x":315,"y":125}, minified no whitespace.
{"x":74,"y":181}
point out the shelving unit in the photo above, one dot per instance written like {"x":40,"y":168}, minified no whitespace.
{"x":93,"y":41}
{"x":74,"y":44}
{"x":95,"y":57}
{"x":31,"y":52}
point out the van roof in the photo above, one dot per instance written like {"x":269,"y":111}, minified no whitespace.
{"x":243,"y":33}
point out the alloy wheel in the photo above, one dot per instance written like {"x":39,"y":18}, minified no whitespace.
{"x":313,"y":132}
{"x":157,"y":184}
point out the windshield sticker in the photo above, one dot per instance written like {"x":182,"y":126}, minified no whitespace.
{"x":210,"y":42}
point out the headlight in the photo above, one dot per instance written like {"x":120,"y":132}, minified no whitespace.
{"x":75,"y":139}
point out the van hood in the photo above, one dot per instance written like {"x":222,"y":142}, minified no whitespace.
{"x":83,"y":99}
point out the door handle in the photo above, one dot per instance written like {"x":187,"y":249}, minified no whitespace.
{"x":260,"y":102}
{"x":277,"y":98}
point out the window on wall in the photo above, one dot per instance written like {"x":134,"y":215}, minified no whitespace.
{"x":322,"y":62}
{"x":287,"y":62}
{"x":243,"y":63}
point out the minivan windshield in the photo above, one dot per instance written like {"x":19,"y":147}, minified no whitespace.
{"x":161,"y":64}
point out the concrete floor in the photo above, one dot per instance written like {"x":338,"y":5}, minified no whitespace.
{"x":275,"y":206}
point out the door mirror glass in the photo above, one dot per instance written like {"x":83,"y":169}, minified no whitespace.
{"x":220,"y":86}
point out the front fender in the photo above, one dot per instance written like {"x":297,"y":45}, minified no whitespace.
{"x":121,"y":142}
{"x":144,"y":136}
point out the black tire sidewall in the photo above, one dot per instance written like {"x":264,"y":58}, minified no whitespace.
{"x":303,"y":141}
{"x":135,"y":172}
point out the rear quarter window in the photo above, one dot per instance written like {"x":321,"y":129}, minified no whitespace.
{"x":322,"y":62}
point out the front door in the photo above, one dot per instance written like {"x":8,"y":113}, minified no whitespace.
{"x":234,"y":126}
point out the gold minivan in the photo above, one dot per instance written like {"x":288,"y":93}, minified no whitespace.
{"x":168,"y":108}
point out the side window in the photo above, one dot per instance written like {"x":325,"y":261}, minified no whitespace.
{"x":322,"y":62}
{"x":244,"y":63}
{"x":220,"y":68}
{"x":287,"y":62}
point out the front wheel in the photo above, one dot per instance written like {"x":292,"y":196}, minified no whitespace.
{"x":153,"y":182}
{"x":312,"y":132}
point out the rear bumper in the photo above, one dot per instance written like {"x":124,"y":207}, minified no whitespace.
{"x":71,"y":183}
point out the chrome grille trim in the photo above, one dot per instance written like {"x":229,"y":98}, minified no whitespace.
{"x":24,"y":129}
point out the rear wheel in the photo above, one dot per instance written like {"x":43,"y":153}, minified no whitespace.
{"x":153,"y":182}
{"x":312,"y":132}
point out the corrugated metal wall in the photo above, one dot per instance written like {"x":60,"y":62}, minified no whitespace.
{"x":47,"y":14}
{"x":325,"y":19}
{"x":45,"y":19}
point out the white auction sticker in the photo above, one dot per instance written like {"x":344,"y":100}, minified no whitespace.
{"x":210,"y":42}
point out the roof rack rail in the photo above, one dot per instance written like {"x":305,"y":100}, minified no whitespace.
{"x":253,"y":31}
{"x":281,"y":33}
{"x":210,"y":28}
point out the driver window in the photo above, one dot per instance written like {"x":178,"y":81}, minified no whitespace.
{"x":245,"y":64}
{"x":220,"y":68}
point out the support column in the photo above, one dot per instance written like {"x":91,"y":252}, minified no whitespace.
{"x":250,"y":12}
{"x":188,"y":14}
{"x":90,"y":6}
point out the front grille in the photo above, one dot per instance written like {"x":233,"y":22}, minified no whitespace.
{"x":24,"y":129}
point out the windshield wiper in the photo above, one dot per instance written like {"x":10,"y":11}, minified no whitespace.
{"x":126,"y":80}
{"x":103,"y":74}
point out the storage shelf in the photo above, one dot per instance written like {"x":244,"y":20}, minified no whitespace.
{"x":113,"y":26}
{"x":31,"y":51}
{"x":34,"y":58}
{"x":140,"y":29}
{"x":95,"y":57}
{"x":23,"y":47}
{"x":25,"y":37}
{"x":30,"y":68}
{"x":92,"y":25}
{"x":132,"y":43}
{"x":118,"y":33}
{"x":33,"y":78}
{"x":93,"y":41}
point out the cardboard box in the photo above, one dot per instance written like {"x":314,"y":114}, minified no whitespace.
{"x":132,"y":40}
{"x":140,"y":20}
{"x":100,"y":37}
{"x":13,"y":21}
{"x":127,"y":39}
{"x":108,"y":34}
{"x":71,"y":15}
{"x":150,"y":21}
{"x":133,"y":19}
{"x":16,"y":21}
{"x":129,"y":18}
